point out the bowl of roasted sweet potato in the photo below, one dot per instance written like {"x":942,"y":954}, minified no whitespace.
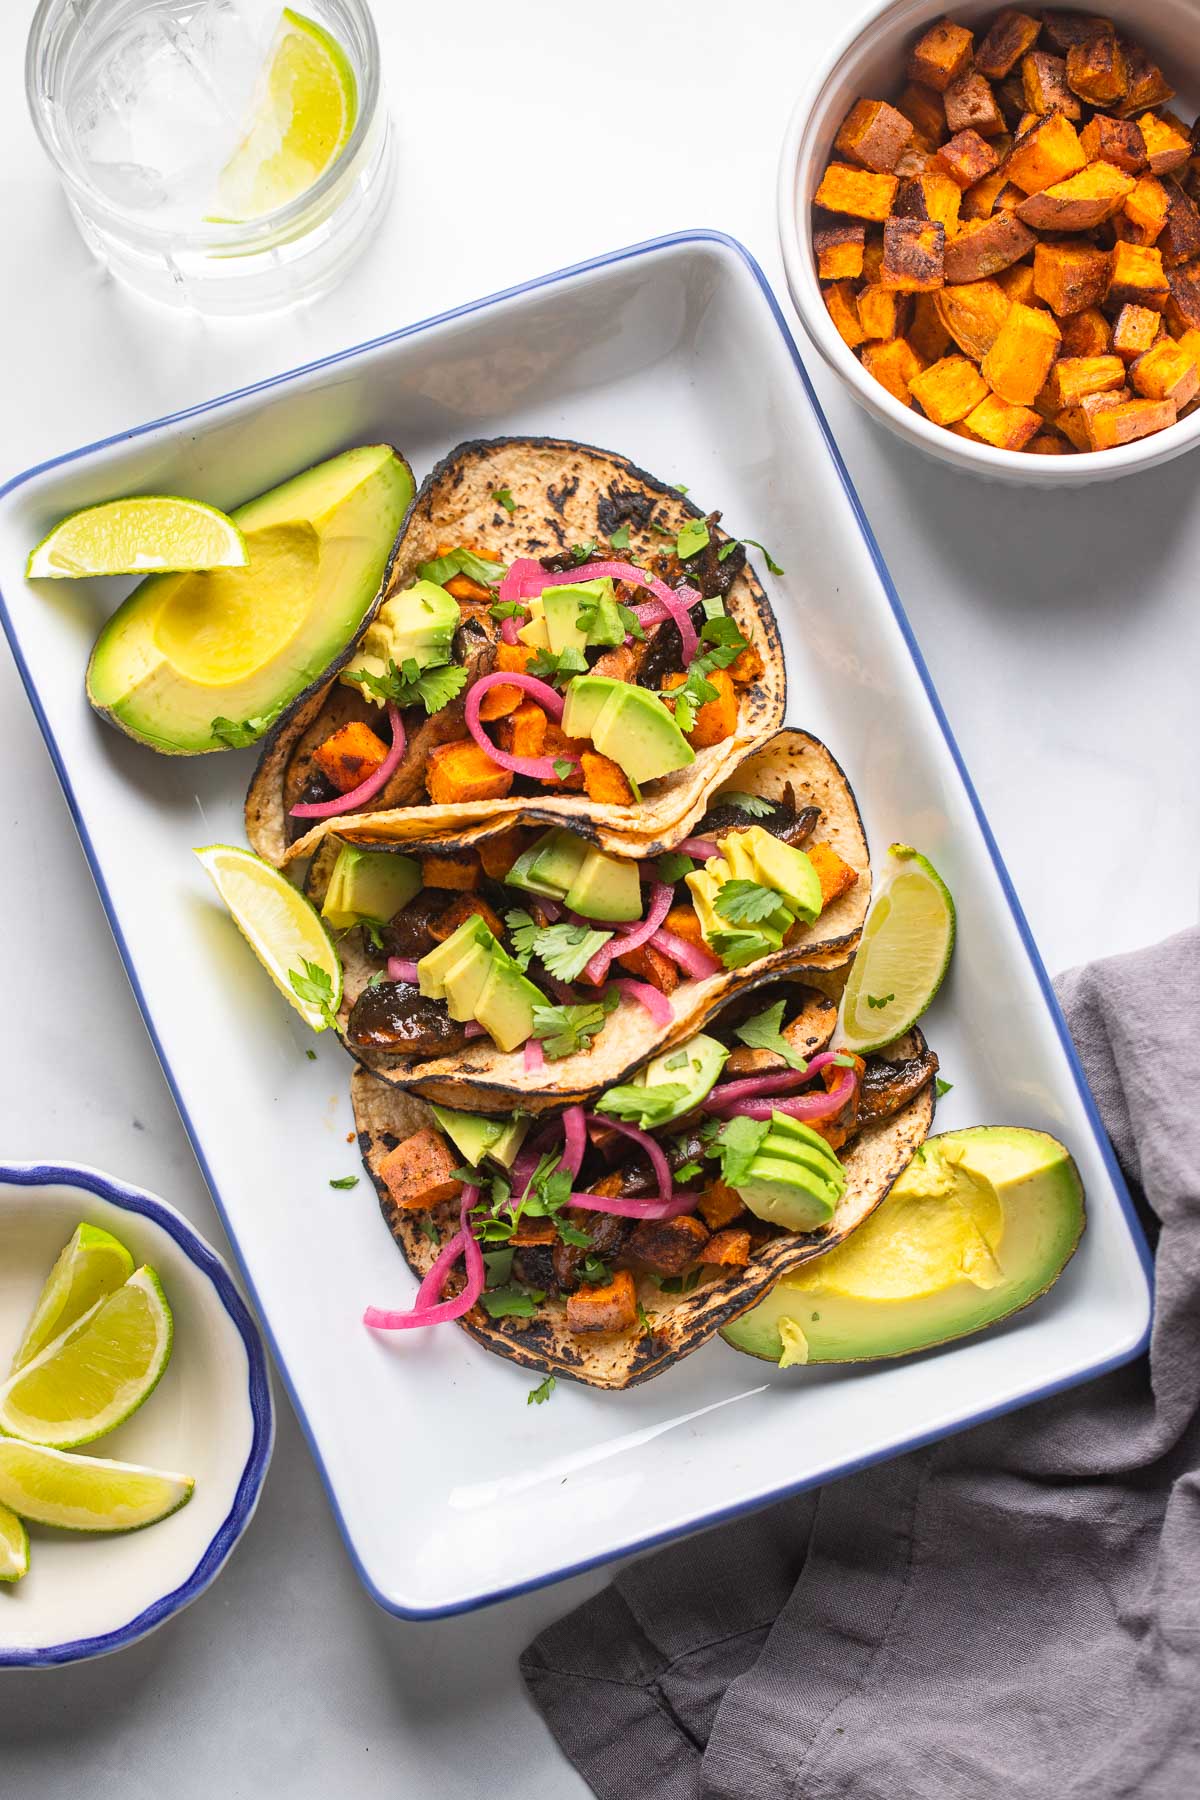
{"x":990,"y":223}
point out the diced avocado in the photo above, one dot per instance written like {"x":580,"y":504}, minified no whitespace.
{"x":980,"y":1223}
{"x":788,"y":1194}
{"x":797,"y":1135}
{"x":694,"y":1066}
{"x":607,"y":628}
{"x":475,"y":1136}
{"x":740,"y":944}
{"x":785,"y":1149}
{"x":236,"y":646}
{"x":559,"y":858}
{"x":417,"y":625}
{"x":369,"y":885}
{"x":563,"y":606}
{"x":465,"y":980}
{"x":432,"y":968}
{"x":640,"y":735}
{"x":587,"y":696}
{"x":736,"y":859}
{"x":521,"y":874}
{"x":788,"y":870}
{"x":534,"y":632}
{"x":606,"y":888}
{"x":505,"y":1006}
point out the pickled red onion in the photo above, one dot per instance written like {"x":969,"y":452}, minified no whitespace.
{"x":401,"y":968}
{"x":802,"y":1106}
{"x":676,"y":603}
{"x":535,"y":1056}
{"x":636,"y":1209}
{"x":574,"y":1124}
{"x":777,"y":1081}
{"x":512,"y":587}
{"x":690,"y":957}
{"x":660,"y":905}
{"x":538,"y":768}
{"x":366,"y":790}
{"x":508,"y":631}
{"x":656,"y":1004}
{"x":645,"y":1142}
{"x":430,"y":1309}
{"x":700,"y":847}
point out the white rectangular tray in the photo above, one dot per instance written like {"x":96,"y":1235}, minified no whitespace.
{"x":450,"y":1490}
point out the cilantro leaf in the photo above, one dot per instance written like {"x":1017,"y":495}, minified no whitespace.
{"x":430,"y":1229}
{"x":714,"y":606}
{"x":942,"y":1087}
{"x":631,"y":622}
{"x":687,"y":1173}
{"x":746,"y":902}
{"x":557,"y":666}
{"x":643,"y":1104}
{"x":674,"y":866}
{"x":644,"y":1319}
{"x":571,"y":1234}
{"x":410,"y":685}
{"x":728,"y":550}
{"x":679,"y":1284}
{"x":344,"y":1181}
{"x":509,"y":609}
{"x":565,"y":949}
{"x":462,"y":562}
{"x":238,"y":733}
{"x":504,"y":498}
{"x":564,"y":766}
{"x":523,"y":930}
{"x":736,"y":948}
{"x":595,"y":1271}
{"x":691,"y":539}
{"x":878,"y":1001}
{"x":753,"y":804}
{"x":581,"y":553}
{"x":620,"y":538}
{"x":736,"y":1145}
{"x":537,"y":1395}
{"x":311,"y":1055}
{"x":315,"y":987}
{"x":662,"y":530}
{"x":566,"y":1029}
{"x":498,"y":1264}
{"x":763,"y":1032}
{"x":510,"y":1302}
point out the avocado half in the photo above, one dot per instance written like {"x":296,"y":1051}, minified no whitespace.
{"x":980,"y":1223}
{"x":233,"y":647}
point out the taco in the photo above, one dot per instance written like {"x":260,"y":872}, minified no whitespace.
{"x":644,"y":655}
{"x":531,"y":964}
{"x":607,"y":1244}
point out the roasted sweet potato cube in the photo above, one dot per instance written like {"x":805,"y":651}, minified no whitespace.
{"x":652,"y":965}
{"x":1145,"y":206}
{"x":983,"y":247}
{"x":1017,"y":283}
{"x":1180,"y":237}
{"x":893,"y":364}
{"x":459,"y":772}
{"x":719,"y":1206}
{"x":939,"y":200}
{"x":1115,"y":141}
{"x":839,"y":251}
{"x":1183,"y":304}
{"x":882,"y":312}
{"x":467,"y":906}
{"x":1137,"y":275}
{"x":498,"y":854}
{"x":1189,"y":343}
{"x":926,"y":333}
{"x":1133,"y":419}
{"x":1167,"y":140}
{"x":836,"y":876}
{"x":1046,"y":443}
{"x":683,"y":922}
{"x":1080,"y":202}
{"x":727,"y":1249}
{"x":973,"y":314}
{"x":746,"y":667}
{"x":716,"y":720}
{"x":349,"y":755}
{"x":842,"y":306}
{"x":668,"y":1246}
{"x":925,"y":112}
{"x":419,"y":1173}
{"x":978,"y":202}
{"x":459,"y":870}
{"x":1076,"y":421}
{"x":1086,"y":333}
{"x":605,"y":781}
{"x":1010,"y":35}
{"x":1006,"y":427}
{"x":1148,"y":86}
{"x":941,"y":56}
{"x":1019,"y":361}
{"x":1097,"y":70}
{"x":912,"y":255}
{"x":1072,"y":377}
{"x":1062,"y":29}
{"x":971,"y":105}
{"x":1010,"y":98}
{"x":874,"y":134}
{"x":1165,"y":372}
{"x":1070,"y":276}
{"x":1046,"y":89}
{"x":1048,"y":152}
{"x":1135,"y":330}
{"x":858,"y":192}
{"x":609,"y":1308}
{"x":949,"y":390}
{"x":523,"y":733}
{"x":966,"y":158}
{"x":559,"y":747}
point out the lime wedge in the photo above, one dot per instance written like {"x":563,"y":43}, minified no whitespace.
{"x":905,"y":950}
{"x":89,"y":1380}
{"x":282,"y":928}
{"x":304,"y":112}
{"x":92,"y":1265}
{"x":152,"y":533}
{"x":14,"y":1547}
{"x":86,"y":1493}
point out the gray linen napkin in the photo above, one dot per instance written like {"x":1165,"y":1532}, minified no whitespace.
{"x":1012,"y":1613}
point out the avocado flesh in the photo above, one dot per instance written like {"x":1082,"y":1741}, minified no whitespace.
{"x":417,"y":625}
{"x":606,"y":888}
{"x":241,"y":644}
{"x":433,"y":968}
{"x":475,"y":1137}
{"x":703,"y":1058}
{"x":640,"y":735}
{"x":505,"y":1005}
{"x":788,"y":1193}
{"x":557,"y":860}
{"x":981,"y":1222}
{"x":369,"y":884}
{"x":465,"y":981}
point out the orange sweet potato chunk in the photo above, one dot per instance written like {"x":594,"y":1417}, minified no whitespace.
{"x":1097,"y":70}
{"x":1073,"y":377}
{"x":1167,"y":140}
{"x":1019,"y":361}
{"x":1086,"y":333}
{"x":1179,"y":240}
{"x":1145,"y":206}
{"x":858,"y":192}
{"x":719,"y":1206}
{"x":1048,"y":152}
{"x":971,"y":104}
{"x":949,"y":390}
{"x":609,"y":1308}
{"x":1079,"y":203}
{"x":459,"y":772}
{"x":1183,"y":304}
{"x":1005,"y":427}
{"x":1137,"y":275}
{"x":941,"y":55}
{"x":985,"y":246}
{"x":973,"y":314}
{"x":418,"y":1173}
{"x":350,"y":755}
{"x":1148,"y":86}
{"x":966,"y":158}
{"x":1017,"y":283}
{"x":605,"y":781}
{"x":882,"y":312}
{"x":727,"y":1249}
{"x":925,"y":112}
{"x":1116,"y":141}
{"x":926,"y":333}
{"x":893,"y":364}
{"x":1010,"y":35}
{"x":842,"y":306}
{"x":1165,"y":372}
{"x":1070,"y":277}
{"x":839,"y":251}
{"x":836,"y":876}
{"x":1134,"y":419}
{"x":1046,"y":88}
{"x":913,"y":252}
{"x":523,"y":732}
{"x":874,"y":134}
{"x":458,"y":871}
{"x":1135,"y":330}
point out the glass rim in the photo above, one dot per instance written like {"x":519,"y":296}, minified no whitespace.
{"x":261,"y":233}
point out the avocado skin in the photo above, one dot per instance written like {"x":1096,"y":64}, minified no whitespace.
{"x":892,"y":1328}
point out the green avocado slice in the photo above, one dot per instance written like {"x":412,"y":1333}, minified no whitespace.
{"x":206,"y":661}
{"x":980,"y":1223}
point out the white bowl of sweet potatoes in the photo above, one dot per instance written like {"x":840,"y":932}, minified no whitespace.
{"x":1004,"y":260}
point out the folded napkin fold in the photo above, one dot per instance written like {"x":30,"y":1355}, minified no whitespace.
{"x":1012,"y":1613}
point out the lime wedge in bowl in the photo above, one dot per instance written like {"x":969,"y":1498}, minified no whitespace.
{"x":92,"y":1265}
{"x":905,"y":951}
{"x":93,"y":1377}
{"x":282,"y":928}
{"x":303,"y":114}
{"x":14,"y":1547}
{"x":149,"y":534}
{"x":85,"y":1493}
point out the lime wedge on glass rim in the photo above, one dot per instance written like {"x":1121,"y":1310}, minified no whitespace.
{"x":283,"y":929}
{"x":905,"y":951}
{"x":96,"y":1375}
{"x":302,"y":115}
{"x":14,"y":1547}
{"x":85,"y":1493}
{"x":92,"y":1265}
{"x":148,"y":534}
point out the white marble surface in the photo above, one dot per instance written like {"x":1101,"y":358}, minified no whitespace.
{"x":1064,"y":637}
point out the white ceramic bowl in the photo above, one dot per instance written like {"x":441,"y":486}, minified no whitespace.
{"x":869,"y":59}
{"x":211,"y":1417}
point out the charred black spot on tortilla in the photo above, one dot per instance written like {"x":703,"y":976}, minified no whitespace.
{"x":396,"y":1015}
{"x":622,"y":506}
{"x":558,"y":496}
